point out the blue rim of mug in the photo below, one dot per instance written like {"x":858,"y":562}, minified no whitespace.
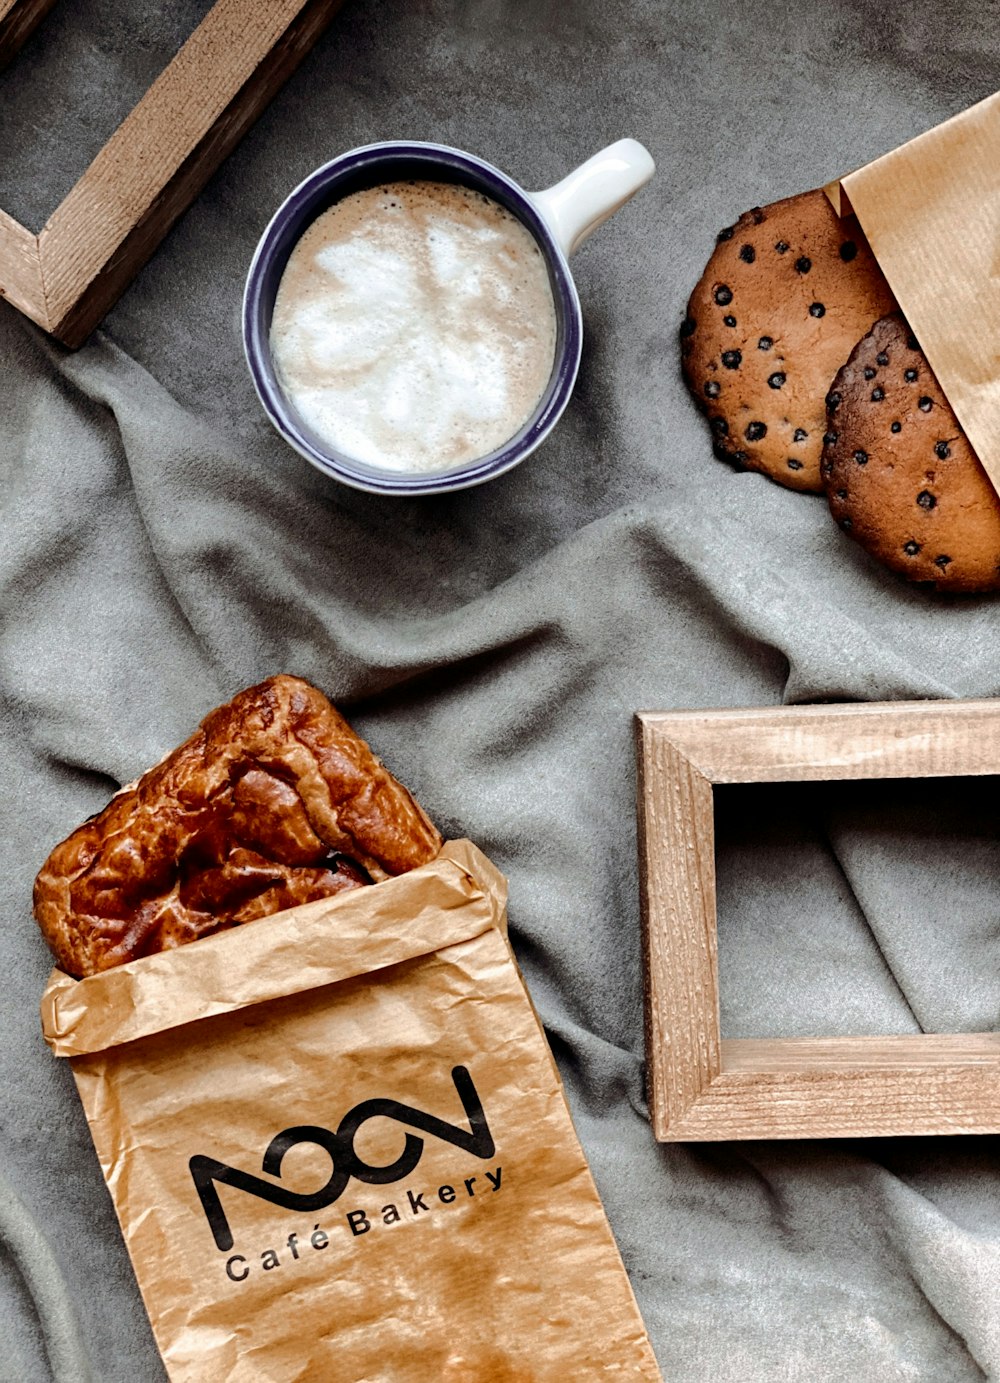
{"x":289,"y":222}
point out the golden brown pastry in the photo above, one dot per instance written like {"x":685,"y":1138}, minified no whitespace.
{"x":783,"y":300}
{"x":274,"y":801}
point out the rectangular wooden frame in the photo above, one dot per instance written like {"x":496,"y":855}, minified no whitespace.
{"x":702,"y":1087}
{"x":17,"y":19}
{"x":68,"y":276}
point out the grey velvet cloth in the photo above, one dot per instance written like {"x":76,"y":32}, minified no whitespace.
{"x":161,"y":548}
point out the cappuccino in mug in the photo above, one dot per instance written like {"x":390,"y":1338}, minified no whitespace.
{"x":414,"y":327}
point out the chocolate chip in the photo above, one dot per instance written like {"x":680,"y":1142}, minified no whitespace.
{"x":941,"y":561}
{"x":817,"y":310}
{"x":881,"y":358}
{"x":911,"y":341}
{"x":878,"y":394}
{"x":925,"y":404}
{"x":721,"y":451}
{"x":723,"y":295}
{"x":740,"y":457}
{"x":799,"y":435}
{"x":720,"y":427}
{"x":830,"y":439}
{"x":910,"y":376}
{"x":712,"y":389}
{"x":870,"y":372}
{"x":911,"y":548}
{"x":803,"y":264}
{"x":833,"y":400}
{"x":687,"y":326}
{"x":748,"y":254}
{"x":782,"y":247}
{"x":896,"y":427}
{"x":765,"y":343}
{"x":861,"y":457}
{"x":729,"y":321}
{"x":826,"y":467}
{"x":755,"y":431}
{"x":776,"y":380}
{"x":926,"y":500}
{"x":725,"y":234}
{"x":732,"y":359}
{"x":794,"y":465}
{"x":758,"y":216}
{"x":942,"y":450}
{"x":848,"y":251}
{"x":845,"y":524}
{"x":841,"y":494}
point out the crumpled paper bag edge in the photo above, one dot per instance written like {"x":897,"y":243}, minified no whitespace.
{"x":962,"y":350}
{"x":457,"y":895}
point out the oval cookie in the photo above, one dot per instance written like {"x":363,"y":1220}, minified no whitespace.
{"x":782,"y":302}
{"x":899,"y":472}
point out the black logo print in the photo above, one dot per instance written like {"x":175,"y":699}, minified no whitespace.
{"x":345,"y":1163}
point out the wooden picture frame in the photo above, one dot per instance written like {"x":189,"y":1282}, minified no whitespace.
{"x":69,"y":275}
{"x":17,"y":19}
{"x":703,"y":1087}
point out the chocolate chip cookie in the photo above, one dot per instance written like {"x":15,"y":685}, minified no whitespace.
{"x":788,"y":291}
{"x":899,"y":472}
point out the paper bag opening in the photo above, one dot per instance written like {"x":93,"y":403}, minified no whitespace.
{"x":338,"y":1148}
{"x":931,"y":212}
{"x":457,"y":895}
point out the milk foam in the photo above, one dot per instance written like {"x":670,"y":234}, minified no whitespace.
{"x":414,"y":327}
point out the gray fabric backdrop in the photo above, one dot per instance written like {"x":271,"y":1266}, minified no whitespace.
{"x":161,"y":548}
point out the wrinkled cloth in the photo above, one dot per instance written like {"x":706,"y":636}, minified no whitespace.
{"x":161,"y":548}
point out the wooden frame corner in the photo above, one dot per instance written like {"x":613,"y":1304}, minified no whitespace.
{"x":703,"y":1087}
{"x":69,"y":275}
{"x":18,"y":18}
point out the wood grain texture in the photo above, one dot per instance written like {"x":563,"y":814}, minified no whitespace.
{"x":21,"y":270}
{"x":20,"y":262}
{"x":797,"y":1087}
{"x":677,"y":849}
{"x":155,"y":163}
{"x":776,"y":1055}
{"x":163,"y":153}
{"x":17,"y":20}
{"x":850,"y":1088}
{"x":898,"y":739}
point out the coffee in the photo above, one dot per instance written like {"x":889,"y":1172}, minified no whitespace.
{"x":414,"y":327}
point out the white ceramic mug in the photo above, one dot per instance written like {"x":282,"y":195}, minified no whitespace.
{"x":559,"y":218}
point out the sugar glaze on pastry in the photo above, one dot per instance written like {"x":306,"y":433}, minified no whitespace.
{"x":272,"y":802}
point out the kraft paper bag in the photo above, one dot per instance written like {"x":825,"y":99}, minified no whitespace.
{"x":931,"y":213}
{"x":338,"y":1148}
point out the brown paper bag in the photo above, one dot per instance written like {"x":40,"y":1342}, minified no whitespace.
{"x":931,"y":212}
{"x":339,"y":1150}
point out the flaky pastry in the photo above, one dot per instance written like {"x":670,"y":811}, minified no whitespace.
{"x":272,"y":802}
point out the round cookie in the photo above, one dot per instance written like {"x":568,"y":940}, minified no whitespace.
{"x":899,"y":472}
{"x":782,"y":302}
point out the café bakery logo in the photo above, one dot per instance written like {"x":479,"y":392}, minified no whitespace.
{"x":346,"y":1163}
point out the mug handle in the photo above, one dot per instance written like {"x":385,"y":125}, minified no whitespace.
{"x":585,"y":198}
